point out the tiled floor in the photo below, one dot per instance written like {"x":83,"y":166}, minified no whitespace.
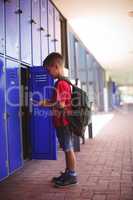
{"x":105,"y":168}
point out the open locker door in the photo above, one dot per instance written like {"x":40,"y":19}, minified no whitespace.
{"x":43,"y":137}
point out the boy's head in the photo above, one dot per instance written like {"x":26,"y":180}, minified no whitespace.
{"x":54,"y":63}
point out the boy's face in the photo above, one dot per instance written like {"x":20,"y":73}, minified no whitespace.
{"x":55,"y":70}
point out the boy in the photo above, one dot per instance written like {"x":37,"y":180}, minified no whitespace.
{"x":61,"y":101}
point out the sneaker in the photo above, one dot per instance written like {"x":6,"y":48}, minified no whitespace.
{"x":54,"y":179}
{"x":67,"y":180}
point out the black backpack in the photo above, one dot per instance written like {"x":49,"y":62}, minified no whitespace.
{"x":81,"y":112}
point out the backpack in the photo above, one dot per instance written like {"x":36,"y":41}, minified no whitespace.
{"x":81,"y":112}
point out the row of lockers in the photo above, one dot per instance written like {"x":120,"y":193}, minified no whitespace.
{"x":79,"y":59}
{"x":24,"y":134}
{"x":30,"y":30}
{"x":10,"y":127}
{"x":114,"y":96}
{"x":92,"y":77}
{"x":86,"y":68}
{"x":99,"y":85}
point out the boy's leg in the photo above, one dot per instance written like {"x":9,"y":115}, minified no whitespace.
{"x":70,"y":160}
{"x":68,"y":149}
{"x":65,"y":140}
{"x":70,"y":177}
{"x":60,"y":136}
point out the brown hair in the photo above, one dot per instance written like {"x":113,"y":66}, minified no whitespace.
{"x":52,"y":58}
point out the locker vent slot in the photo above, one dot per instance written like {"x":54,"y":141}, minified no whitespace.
{"x":41,"y":78}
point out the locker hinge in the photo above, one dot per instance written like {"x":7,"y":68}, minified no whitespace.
{"x":4,"y":70}
{"x":7,"y":163}
{"x":29,"y":76}
{"x":19,"y":113}
{"x":5,"y":115}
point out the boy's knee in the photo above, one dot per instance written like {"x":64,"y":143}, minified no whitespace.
{"x":70,"y":150}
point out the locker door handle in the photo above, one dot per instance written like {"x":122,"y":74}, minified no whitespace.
{"x":90,"y":83}
{"x":19,"y":11}
{"x":2,"y":42}
{"x":54,"y":40}
{"x":42,"y":29}
{"x":48,"y":35}
{"x":32,"y":21}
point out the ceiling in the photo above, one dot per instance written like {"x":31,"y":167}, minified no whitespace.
{"x":106,"y":29}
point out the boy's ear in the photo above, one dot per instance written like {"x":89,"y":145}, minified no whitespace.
{"x":56,"y":66}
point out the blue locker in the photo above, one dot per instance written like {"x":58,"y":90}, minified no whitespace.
{"x":1,"y":27}
{"x":110,"y":95}
{"x":43,"y":137}
{"x":12,"y":28}
{"x":51,"y":27}
{"x":79,"y":60}
{"x":13,"y":116}
{"x":71,"y":55}
{"x":3,"y":146}
{"x":57,"y":31}
{"x":36,"y":48}
{"x":25,"y":28}
{"x":113,"y":87}
{"x":44,"y":29}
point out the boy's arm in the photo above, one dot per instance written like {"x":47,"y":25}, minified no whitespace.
{"x":47,"y":103}
{"x":63,"y":93}
{"x":51,"y":103}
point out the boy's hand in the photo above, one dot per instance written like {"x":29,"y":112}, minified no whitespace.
{"x":42,"y":103}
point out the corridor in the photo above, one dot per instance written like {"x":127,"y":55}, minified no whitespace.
{"x":105,"y":168}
